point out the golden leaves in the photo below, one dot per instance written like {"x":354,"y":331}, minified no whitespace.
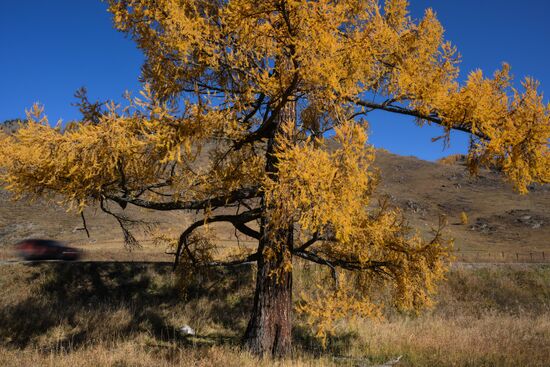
{"x":324,"y":306}
{"x":315,"y":187}
{"x":339,"y":51}
{"x":128,"y":150}
{"x":515,"y":130}
{"x":324,"y":187}
{"x":381,"y":254}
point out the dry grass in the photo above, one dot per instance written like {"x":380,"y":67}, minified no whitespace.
{"x":492,"y":339}
{"x":145,"y":354}
{"x":495,"y":316}
{"x":129,"y":315}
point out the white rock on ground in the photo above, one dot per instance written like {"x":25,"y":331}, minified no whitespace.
{"x":187,"y":330}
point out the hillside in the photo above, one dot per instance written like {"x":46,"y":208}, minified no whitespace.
{"x":500,"y":220}
{"x":10,"y":126}
{"x":503,"y":225}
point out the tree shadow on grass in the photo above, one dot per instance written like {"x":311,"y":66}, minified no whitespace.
{"x":73,"y":304}
{"x":338,"y":344}
{"x":229,"y":293}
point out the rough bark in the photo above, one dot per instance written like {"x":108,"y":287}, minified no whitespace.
{"x":269,"y":329}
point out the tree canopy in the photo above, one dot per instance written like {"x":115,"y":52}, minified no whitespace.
{"x":254,"y":111}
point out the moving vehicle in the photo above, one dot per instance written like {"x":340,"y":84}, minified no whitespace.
{"x":37,"y":249}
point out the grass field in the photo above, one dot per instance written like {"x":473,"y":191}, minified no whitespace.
{"x":123,"y":314}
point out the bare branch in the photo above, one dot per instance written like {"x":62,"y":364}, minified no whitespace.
{"x":316,"y":237}
{"x":236,"y":220}
{"x":220,"y":201}
{"x":247,"y":260}
{"x":432,"y":117}
{"x":129,"y":240}
{"x":348,"y":265}
{"x":246,"y":230}
{"x":84,"y":226}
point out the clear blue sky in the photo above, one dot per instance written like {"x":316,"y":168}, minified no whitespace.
{"x":48,"y":49}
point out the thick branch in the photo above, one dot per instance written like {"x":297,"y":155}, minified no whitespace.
{"x":220,"y":201}
{"x":255,"y":109}
{"x":236,"y":220}
{"x":432,"y":117}
{"x":319,"y":260}
{"x":369,"y":265}
{"x":267,"y":127}
{"x":309,"y":243}
{"x":247,"y":231}
{"x":316,"y":237}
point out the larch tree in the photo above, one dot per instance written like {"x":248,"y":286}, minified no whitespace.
{"x":253,"y":113}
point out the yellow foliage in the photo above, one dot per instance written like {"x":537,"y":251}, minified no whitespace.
{"x":326,"y":192}
{"x":382,"y":253}
{"x":337,"y":52}
{"x":129,"y":150}
{"x":464,"y":218}
{"x":315,"y":186}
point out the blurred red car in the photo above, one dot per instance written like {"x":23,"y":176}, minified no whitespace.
{"x":34,"y":249}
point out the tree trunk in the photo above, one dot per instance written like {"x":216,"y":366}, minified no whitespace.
{"x":269,"y":329}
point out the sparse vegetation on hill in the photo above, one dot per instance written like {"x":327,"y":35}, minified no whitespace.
{"x":464,"y":218}
{"x":453,"y":159}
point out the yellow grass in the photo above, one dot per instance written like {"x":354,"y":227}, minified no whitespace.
{"x":464,"y":218}
{"x":134,"y":354}
{"x":130,"y":315}
{"x":492,"y":339}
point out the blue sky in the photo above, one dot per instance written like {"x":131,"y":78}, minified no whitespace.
{"x":48,"y":49}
